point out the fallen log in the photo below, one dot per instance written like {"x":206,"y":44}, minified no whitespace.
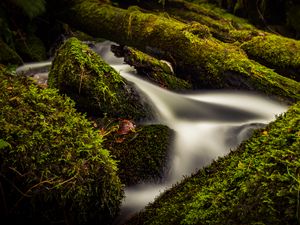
{"x":197,"y":57}
{"x":274,"y":51}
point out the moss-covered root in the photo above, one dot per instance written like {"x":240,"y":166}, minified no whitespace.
{"x":9,"y":56}
{"x":154,"y":70}
{"x":142,"y":152}
{"x":53,"y":165}
{"x":198,"y":57}
{"x":96,"y":87}
{"x":258,"y":183}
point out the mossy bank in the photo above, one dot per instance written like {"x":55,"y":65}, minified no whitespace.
{"x":258,"y":183}
{"x":53,"y":164}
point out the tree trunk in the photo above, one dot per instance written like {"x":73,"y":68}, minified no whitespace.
{"x":194,"y":53}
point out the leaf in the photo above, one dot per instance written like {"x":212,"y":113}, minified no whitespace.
{"x":126,"y":126}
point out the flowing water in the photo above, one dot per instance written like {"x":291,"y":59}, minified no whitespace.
{"x":207,"y":124}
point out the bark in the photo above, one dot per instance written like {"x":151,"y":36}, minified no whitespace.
{"x":195,"y":54}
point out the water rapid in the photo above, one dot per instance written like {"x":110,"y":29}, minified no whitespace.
{"x":207,"y":124}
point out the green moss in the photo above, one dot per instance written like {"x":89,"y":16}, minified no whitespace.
{"x":96,"y":87}
{"x":53,"y":164}
{"x":256,"y":184}
{"x":278,"y":52}
{"x":142,"y":153}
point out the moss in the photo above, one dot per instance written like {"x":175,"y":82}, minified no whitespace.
{"x":152,"y":69}
{"x":278,"y":52}
{"x":142,"y":153}
{"x":53,"y":165}
{"x":258,"y":183}
{"x":9,"y":56}
{"x":96,"y":87}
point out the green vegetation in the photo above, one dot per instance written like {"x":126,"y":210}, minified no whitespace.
{"x":258,"y":183}
{"x":142,"y":153}
{"x":53,"y":164}
{"x":96,"y":87}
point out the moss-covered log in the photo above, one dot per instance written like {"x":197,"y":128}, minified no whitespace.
{"x":275,"y":51}
{"x":96,"y":87}
{"x":152,"y":69}
{"x":208,"y":62}
{"x":256,"y":184}
{"x":142,"y":151}
{"x":53,"y":164}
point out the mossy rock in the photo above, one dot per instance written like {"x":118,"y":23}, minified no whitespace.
{"x":142,"y":152}
{"x":95,"y":86}
{"x":258,"y":183}
{"x":156,"y":71}
{"x":53,"y":164}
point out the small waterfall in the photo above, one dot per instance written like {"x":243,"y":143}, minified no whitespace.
{"x":208,"y":125}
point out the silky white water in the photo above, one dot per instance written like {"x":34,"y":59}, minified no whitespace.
{"x":207,"y":124}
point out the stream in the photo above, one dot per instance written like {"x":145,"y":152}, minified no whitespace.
{"x":208,"y":124}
